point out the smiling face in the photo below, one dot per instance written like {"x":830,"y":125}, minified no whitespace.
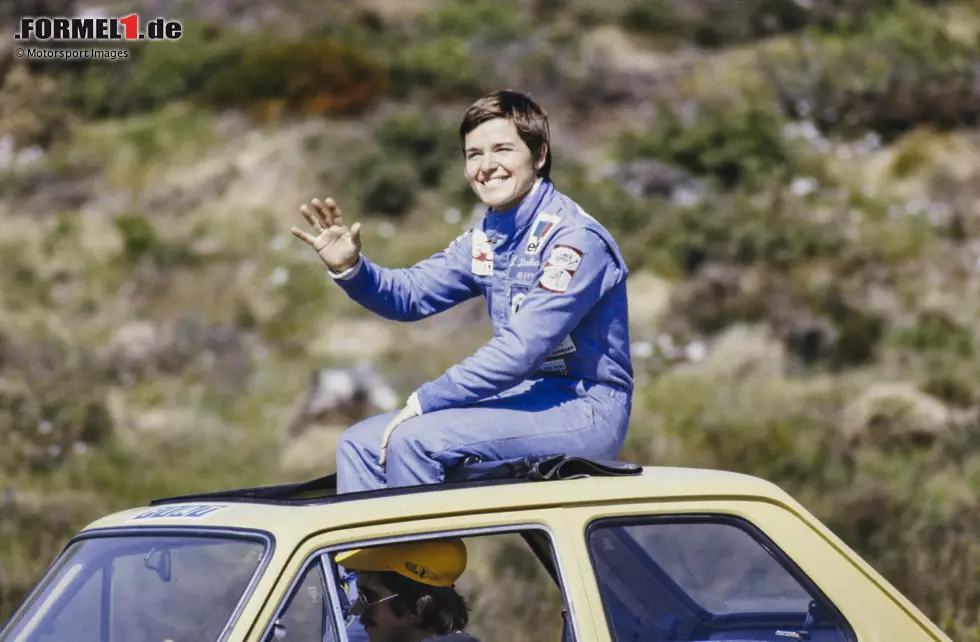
{"x":499,"y":166}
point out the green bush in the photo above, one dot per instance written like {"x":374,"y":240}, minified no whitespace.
{"x":154,"y":76}
{"x":421,"y":142}
{"x":949,"y":377}
{"x":442,"y":67}
{"x":936,"y":331}
{"x":139,"y":237}
{"x":226,"y":68}
{"x":54,"y":404}
{"x":162,"y":74}
{"x":32,"y":107}
{"x":729,"y":139}
{"x":744,"y":228}
{"x":722,"y":294}
{"x":63,"y":233}
{"x":444,"y":52}
{"x":141,"y":242}
{"x":858,"y":331}
{"x":318,"y":76}
{"x":904,"y":71}
{"x":21,"y":279}
{"x":408,"y":134}
{"x":713,"y":23}
{"x":488,"y":20}
{"x":718,"y":23}
{"x":390,"y":189}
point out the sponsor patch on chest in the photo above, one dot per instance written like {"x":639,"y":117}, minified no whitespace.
{"x":560,"y":268}
{"x":482,"y":253}
{"x":542,"y":227}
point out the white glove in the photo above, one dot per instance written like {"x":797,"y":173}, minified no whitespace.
{"x":412,"y":409}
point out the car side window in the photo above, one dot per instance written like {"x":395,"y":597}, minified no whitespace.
{"x":307,"y":615}
{"x":693,"y":579}
{"x":507,"y":587}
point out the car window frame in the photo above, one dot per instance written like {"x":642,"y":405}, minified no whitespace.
{"x":738,"y":521}
{"x":314,"y":560}
{"x":325,"y":555}
{"x":266,"y":538}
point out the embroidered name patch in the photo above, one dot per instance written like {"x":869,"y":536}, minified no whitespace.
{"x":523,"y":275}
{"x":482,"y":263}
{"x":559,"y":269}
{"x":543,"y":225}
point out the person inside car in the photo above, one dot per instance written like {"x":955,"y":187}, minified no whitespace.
{"x":556,"y":377}
{"x":406,"y":592}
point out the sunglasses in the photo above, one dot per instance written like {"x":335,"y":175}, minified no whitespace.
{"x":349,"y":600}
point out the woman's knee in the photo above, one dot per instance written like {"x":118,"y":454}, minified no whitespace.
{"x":412,"y":439}
{"x":366,"y":432}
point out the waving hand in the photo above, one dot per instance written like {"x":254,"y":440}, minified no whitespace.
{"x":336,"y":245}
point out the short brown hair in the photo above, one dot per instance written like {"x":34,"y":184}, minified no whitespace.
{"x":529,"y":118}
{"x":440,"y":608}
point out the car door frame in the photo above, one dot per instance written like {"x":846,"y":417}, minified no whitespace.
{"x":550,"y":521}
{"x":873,"y":609}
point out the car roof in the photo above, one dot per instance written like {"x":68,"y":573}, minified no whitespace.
{"x":286,"y":513}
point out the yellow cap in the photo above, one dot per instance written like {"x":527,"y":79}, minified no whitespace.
{"x":432,"y":562}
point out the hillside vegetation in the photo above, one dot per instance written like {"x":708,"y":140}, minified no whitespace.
{"x":796,"y":187}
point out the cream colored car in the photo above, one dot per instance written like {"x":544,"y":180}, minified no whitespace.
{"x":658,"y":554}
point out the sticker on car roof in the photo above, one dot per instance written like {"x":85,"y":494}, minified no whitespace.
{"x":192,"y":510}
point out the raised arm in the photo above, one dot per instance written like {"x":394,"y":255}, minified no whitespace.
{"x":409,"y":294}
{"x":399,"y":294}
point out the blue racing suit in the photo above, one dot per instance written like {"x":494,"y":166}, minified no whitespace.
{"x":555,"y":378}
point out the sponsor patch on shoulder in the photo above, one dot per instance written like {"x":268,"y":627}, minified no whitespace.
{"x":186,"y":510}
{"x":565,"y":256}
{"x":542,"y":227}
{"x":559,"y":268}
{"x":482,"y":263}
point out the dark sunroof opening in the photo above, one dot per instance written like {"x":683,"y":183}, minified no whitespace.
{"x":470,"y":473}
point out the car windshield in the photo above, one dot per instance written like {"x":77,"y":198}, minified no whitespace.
{"x":137,"y":588}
